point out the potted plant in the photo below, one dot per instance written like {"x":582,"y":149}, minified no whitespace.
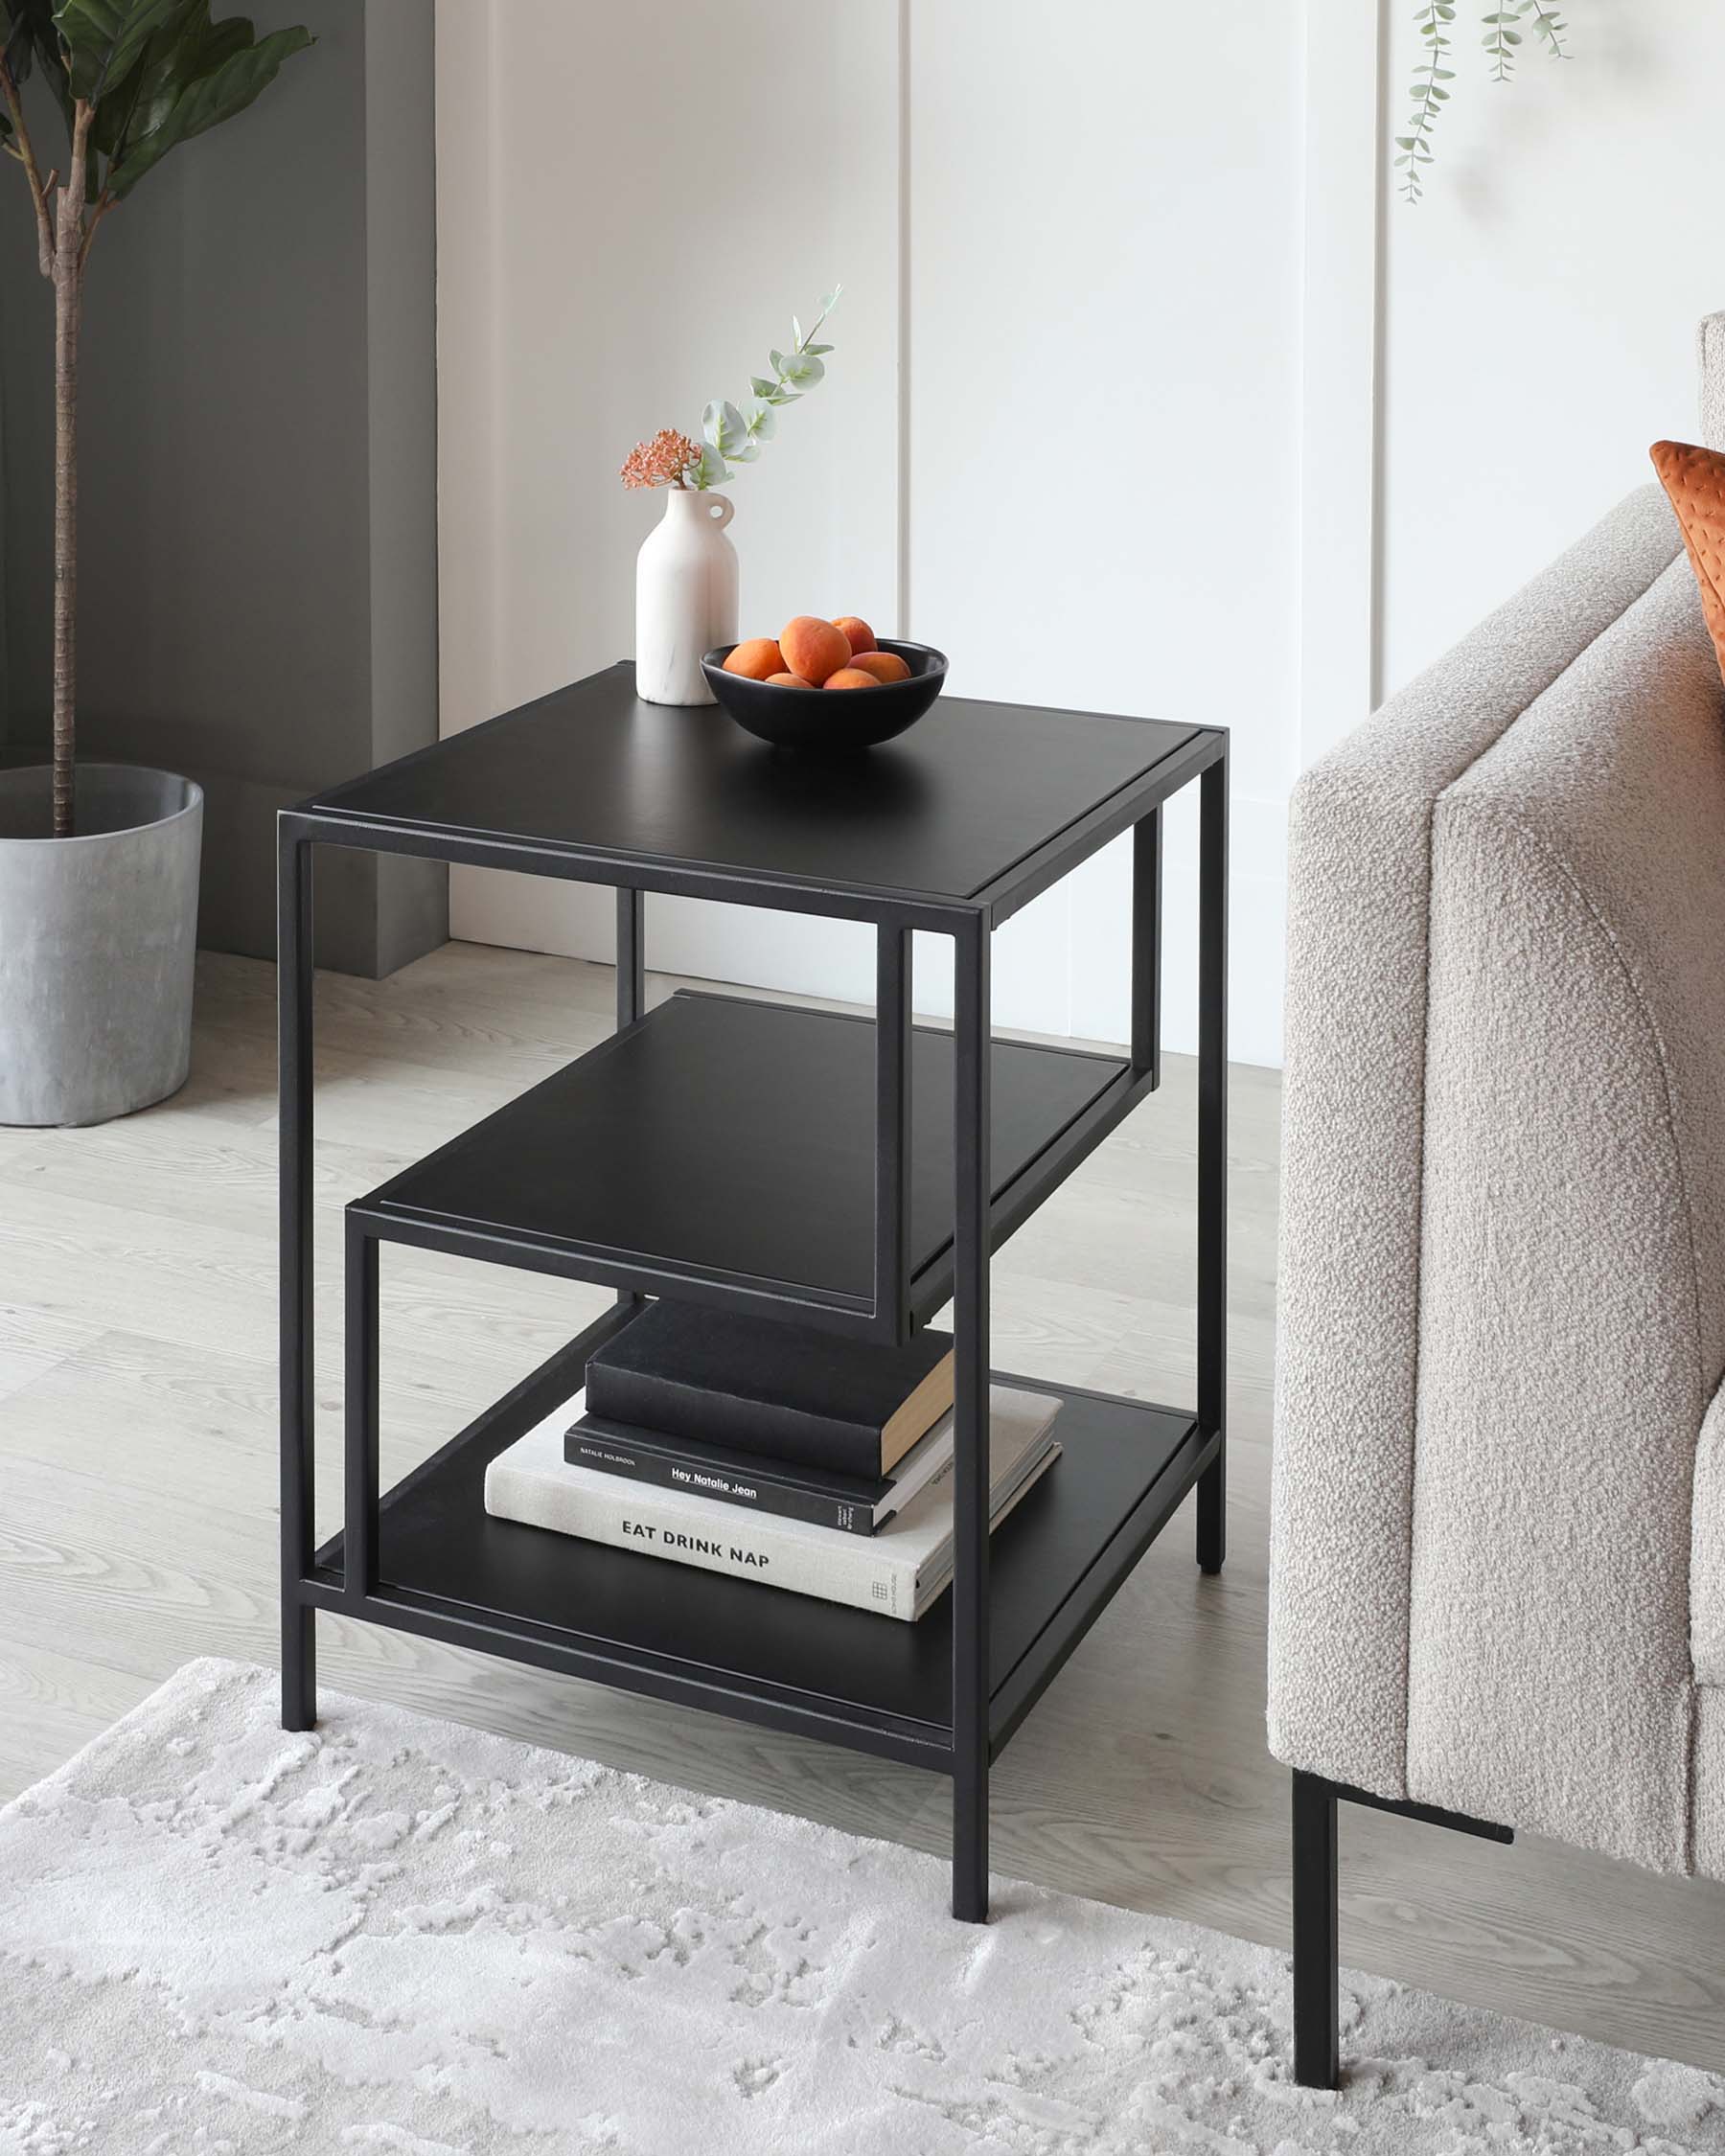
{"x":99,"y":863}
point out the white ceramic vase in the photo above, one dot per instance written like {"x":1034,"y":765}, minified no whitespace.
{"x":685,"y":596}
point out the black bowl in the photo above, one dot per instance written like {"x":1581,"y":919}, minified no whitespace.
{"x":829,"y":722}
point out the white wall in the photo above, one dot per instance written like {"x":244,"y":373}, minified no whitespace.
{"x":1102,"y":401}
{"x":1148,"y":396}
{"x":1540,"y":306}
{"x":1081,"y":481}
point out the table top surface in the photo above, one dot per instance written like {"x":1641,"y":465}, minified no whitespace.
{"x":946,"y":810}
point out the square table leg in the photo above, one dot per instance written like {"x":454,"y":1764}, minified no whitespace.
{"x":631,"y":958}
{"x":1212,"y":1156}
{"x":894,"y":958}
{"x":970,"y":1688}
{"x":632,"y":998}
{"x":294,"y":991}
{"x":1146,"y":944}
{"x":359,"y":1537}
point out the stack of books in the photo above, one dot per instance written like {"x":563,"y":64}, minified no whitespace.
{"x":794,"y":1458}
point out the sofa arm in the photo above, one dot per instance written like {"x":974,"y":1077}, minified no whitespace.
{"x":1350,"y":1268}
{"x":1573,"y":1268}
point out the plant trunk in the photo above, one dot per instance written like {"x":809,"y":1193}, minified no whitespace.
{"x":68,"y":310}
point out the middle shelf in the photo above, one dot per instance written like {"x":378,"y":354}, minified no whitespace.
{"x":725,"y":1148}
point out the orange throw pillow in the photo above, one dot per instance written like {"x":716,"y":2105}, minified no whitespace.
{"x":1695,"y":481}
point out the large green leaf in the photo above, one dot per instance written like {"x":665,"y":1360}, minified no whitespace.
{"x":27,"y":27}
{"x":15,"y":38}
{"x":202,"y":86}
{"x":105,"y":39}
{"x":173,"y":57}
{"x":31,"y":38}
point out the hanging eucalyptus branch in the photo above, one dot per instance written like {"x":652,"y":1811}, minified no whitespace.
{"x":1507,"y":27}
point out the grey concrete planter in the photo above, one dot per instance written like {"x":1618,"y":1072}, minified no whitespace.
{"x":98,"y":937}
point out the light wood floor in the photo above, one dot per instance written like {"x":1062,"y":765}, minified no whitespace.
{"x":137,"y":1499}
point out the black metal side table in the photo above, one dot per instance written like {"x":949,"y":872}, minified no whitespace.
{"x":770,"y":1159}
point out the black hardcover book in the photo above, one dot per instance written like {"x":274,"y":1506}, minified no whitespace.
{"x":752,"y":1386}
{"x":845,"y":1502}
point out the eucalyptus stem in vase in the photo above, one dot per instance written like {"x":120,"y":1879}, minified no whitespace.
{"x":686,"y":580}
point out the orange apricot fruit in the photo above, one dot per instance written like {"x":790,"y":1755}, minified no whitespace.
{"x":850,"y":677}
{"x":757,"y":658}
{"x":884,"y":666}
{"x":787,"y":681}
{"x":812,"y":647}
{"x":858,"y":633}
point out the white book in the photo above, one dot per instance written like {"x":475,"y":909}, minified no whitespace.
{"x":900,"y":1571}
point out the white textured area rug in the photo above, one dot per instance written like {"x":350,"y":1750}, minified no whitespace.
{"x":401,"y":1937}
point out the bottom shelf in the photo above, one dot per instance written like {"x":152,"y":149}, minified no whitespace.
{"x":452,"y":1571}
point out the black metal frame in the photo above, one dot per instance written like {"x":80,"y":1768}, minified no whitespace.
{"x":981,"y":1722}
{"x":1317,"y":1911}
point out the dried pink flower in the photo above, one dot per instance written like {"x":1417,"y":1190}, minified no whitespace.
{"x":663,"y":462}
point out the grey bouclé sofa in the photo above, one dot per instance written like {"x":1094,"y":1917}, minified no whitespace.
{"x":1498,"y":1558}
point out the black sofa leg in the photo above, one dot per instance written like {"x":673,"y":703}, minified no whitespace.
{"x":1317,"y":1945}
{"x":1317,"y":1941}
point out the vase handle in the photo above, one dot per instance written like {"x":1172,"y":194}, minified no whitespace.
{"x":720,"y":502}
